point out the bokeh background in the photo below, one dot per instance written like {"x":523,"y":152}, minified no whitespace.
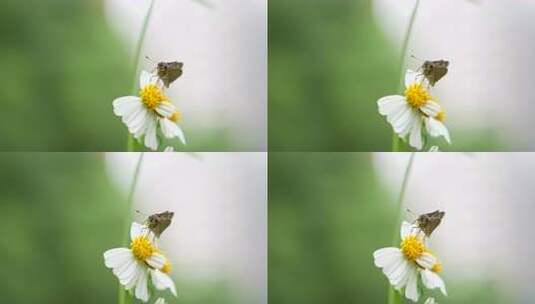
{"x":64,"y":62}
{"x":330,"y":61}
{"x":62,"y":211}
{"x":328,"y":212}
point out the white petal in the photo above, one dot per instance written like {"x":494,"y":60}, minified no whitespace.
{"x":415,"y":139}
{"x":435,"y":128}
{"x":137,"y":124}
{"x":390,"y":105}
{"x":385,"y":256}
{"x":430,"y":301}
{"x":162,"y":281}
{"x":145,"y":78}
{"x":116,"y":257}
{"x":156,"y":261}
{"x":413,"y":116}
{"x":139,"y":270}
{"x":162,"y":301}
{"x":171,"y":129}
{"x":137,"y":229}
{"x":407,"y":229}
{"x":426,"y":260}
{"x":142,"y":291}
{"x":169,"y":149}
{"x":400,"y":120}
{"x":166,"y":109}
{"x":151,"y":140}
{"x":432,"y":280}
{"x":411,"y":291}
{"x":431,"y":108}
{"x":123,"y":106}
{"x":414,"y":77}
{"x":127,"y":273}
{"x":400,"y":275}
{"x":404,"y":277}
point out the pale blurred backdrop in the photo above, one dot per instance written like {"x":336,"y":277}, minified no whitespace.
{"x":65,"y":61}
{"x":489,"y":201}
{"x":330,"y":61}
{"x":219,"y":230}
{"x":62,"y":211}
{"x":490,"y":46}
{"x":223,"y":44}
{"x":341,"y":207}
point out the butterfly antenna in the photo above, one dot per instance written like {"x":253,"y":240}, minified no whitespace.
{"x":149,"y":59}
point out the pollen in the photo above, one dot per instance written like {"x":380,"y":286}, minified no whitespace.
{"x":176,"y":117}
{"x":437,"y":268}
{"x":417,"y":95}
{"x":152,"y":96}
{"x":412,"y":247}
{"x":142,"y":248}
{"x":441,"y":116}
{"x":166,"y":267}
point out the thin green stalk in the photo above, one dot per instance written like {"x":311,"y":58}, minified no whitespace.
{"x":124,"y":298}
{"x":395,"y":138}
{"x":131,"y":146}
{"x":393,"y":296}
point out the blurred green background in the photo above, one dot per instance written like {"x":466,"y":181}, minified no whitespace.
{"x":329,"y":63}
{"x":327,"y":216}
{"x":59,"y":214}
{"x":62,"y":66}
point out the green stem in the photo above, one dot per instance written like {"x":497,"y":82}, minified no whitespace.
{"x":401,"y":197}
{"x":124,"y":298}
{"x":393,"y":296}
{"x":395,"y":138}
{"x":130,"y":146}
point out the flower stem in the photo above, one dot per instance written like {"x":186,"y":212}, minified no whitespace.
{"x":395,"y":138}
{"x":393,"y":296}
{"x":124,"y":298}
{"x":130,"y":140}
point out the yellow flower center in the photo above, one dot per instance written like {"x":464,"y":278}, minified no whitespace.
{"x":176,"y":117}
{"x":437,"y":267}
{"x":412,"y":247}
{"x":166,"y":268}
{"x":441,"y":116}
{"x":152,"y":96}
{"x":142,"y":248}
{"x":417,"y":95}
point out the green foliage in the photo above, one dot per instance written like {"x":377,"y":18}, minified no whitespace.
{"x":327,"y":215}
{"x":59,"y":215}
{"x":62,"y":68}
{"x":328,"y":64}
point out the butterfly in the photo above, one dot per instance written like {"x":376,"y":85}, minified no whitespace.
{"x":168,"y":72}
{"x":428,"y":222}
{"x":433,"y":71}
{"x":158,"y":222}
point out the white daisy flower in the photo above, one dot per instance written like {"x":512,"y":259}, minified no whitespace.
{"x":143,"y":114}
{"x":403,"y":265}
{"x":162,"y":301}
{"x":430,"y":301}
{"x":133,"y":265}
{"x":407,"y":113}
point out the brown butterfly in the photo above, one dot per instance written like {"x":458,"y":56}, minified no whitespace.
{"x":168,"y":72}
{"x":428,"y":222}
{"x":433,"y":71}
{"x":158,"y":222}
